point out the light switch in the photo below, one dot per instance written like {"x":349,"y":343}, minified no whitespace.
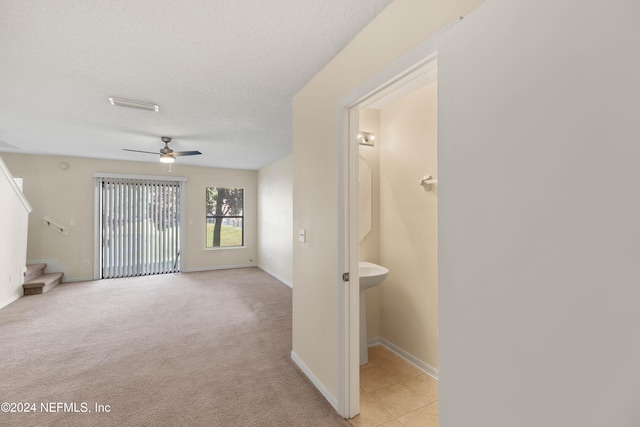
{"x":302,"y":235}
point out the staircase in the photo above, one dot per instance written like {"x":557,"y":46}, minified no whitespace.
{"x":36,"y":281}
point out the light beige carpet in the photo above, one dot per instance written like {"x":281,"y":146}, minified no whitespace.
{"x":196,"y":349}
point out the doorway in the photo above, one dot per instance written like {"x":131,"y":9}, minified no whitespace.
{"x":400,"y":78}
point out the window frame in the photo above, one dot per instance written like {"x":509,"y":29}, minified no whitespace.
{"x":222,"y":217}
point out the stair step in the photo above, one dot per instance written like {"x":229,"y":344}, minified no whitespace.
{"x":33,"y":271}
{"x":42,"y":284}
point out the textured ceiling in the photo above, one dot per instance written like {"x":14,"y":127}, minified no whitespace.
{"x":222,"y":71}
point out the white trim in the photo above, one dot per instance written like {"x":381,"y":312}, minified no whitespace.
{"x":276,"y":276}
{"x":217,"y":267}
{"x":405,"y":355}
{"x":388,"y":79}
{"x":316,"y":382}
{"x":224,"y":248}
{"x":194,"y":270}
{"x":8,"y":301}
{"x":7,"y":173}
{"x":183,"y":222}
{"x":79,"y":279}
{"x":348,"y":354}
{"x":147,"y":177}
{"x":97,"y":229}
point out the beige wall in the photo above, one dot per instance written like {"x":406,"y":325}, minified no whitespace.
{"x":68,"y":194}
{"x":399,"y":28}
{"x":408,"y":224}
{"x":275,"y":216}
{"x":14,"y":218}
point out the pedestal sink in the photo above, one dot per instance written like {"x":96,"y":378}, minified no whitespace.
{"x":370,"y":275}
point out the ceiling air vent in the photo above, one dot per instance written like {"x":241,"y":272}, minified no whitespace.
{"x":129,"y":103}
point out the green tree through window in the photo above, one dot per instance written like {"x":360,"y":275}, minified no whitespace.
{"x":225,"y":217}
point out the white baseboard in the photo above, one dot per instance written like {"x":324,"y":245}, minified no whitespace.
{"x":305,"y":369}
{"x":9,"y":300}
{"x":271,"y":273}
{"x":410,"y":358}
{"x":216,"y":267}
{"x":191,"y":270}
{"x":77,"y":279}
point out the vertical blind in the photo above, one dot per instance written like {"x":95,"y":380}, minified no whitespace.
{"x":140,"y":225}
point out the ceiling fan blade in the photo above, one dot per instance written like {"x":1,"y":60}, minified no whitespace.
{"x":185,"y":153}
{"x":138,"y":151}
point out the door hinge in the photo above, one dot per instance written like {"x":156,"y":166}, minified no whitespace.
{"x":345,"y":277}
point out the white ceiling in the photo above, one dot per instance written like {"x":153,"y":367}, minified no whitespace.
{"x":222,"y":71}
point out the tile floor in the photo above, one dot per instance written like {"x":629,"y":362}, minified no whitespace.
{"x":394,"y":393}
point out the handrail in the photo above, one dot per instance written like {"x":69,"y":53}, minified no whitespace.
{"x":55,"y":225}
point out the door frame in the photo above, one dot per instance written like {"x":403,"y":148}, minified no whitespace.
{"x":394,"y":77}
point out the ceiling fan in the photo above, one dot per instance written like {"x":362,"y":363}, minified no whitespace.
{"x":167,"y":155}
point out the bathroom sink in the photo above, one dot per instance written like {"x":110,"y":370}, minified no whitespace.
{"x":371,"y":274}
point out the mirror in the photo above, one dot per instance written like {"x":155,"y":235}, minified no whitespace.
{"x":366,"y":177}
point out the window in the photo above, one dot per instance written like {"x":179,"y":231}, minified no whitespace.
{"x":225,"y":217}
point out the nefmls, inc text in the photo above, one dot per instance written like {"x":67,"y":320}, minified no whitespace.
{"x":77,"y":407}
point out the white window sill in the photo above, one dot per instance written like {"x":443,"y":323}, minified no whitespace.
{"x":225,"y":248}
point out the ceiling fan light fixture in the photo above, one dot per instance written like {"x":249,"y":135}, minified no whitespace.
{"x":167,"y":158}
{"x":167,"y":155}
{"x":130,"y":103}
